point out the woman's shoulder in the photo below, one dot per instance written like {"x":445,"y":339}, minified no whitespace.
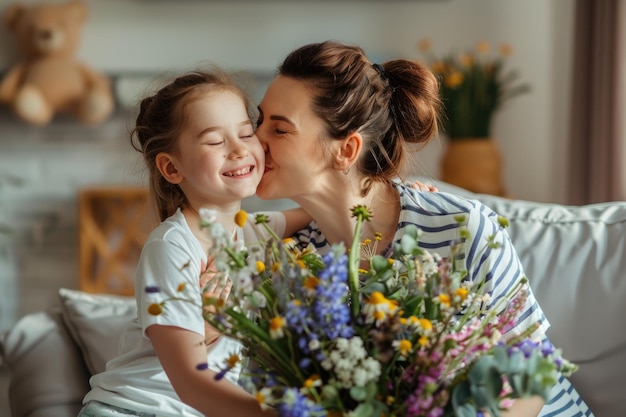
{"x":439,"y":203}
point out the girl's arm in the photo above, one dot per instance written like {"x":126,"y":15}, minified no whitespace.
{"x":295,"y":219}
{"x":180,"y":351}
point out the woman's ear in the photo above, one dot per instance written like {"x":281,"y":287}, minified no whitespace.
{"x":166,"y":165}
{"x":348,"y":151}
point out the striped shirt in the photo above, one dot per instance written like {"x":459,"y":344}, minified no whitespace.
{"x":433,"y":213}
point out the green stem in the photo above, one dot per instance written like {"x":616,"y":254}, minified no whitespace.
{"x":353,"y":268}
{"x":275,"y":348}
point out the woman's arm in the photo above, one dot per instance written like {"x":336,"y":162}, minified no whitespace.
{"x":180,"y":351}
{"x":525,"y":407}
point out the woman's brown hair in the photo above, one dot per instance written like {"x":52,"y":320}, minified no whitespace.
{"x":390,"y":105}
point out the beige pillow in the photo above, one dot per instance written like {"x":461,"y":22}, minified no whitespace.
{"x":96,"y":321}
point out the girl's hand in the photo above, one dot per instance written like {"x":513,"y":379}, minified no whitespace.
{"x":217,"y":288}
{"x":214,"y":285}
{"x":423,"y":187}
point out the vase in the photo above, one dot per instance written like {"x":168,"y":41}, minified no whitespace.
{"x":474,"y":164}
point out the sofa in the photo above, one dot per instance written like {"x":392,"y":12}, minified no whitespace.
{"x":574,"y":258}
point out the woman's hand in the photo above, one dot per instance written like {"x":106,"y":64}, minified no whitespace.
{"x":423,"y":187}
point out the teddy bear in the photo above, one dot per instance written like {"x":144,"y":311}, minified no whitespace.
{"x":50,"y":80}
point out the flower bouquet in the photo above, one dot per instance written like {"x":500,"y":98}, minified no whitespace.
{"x":353,"y":333}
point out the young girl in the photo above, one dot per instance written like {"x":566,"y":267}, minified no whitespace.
{"x":201,"y":151}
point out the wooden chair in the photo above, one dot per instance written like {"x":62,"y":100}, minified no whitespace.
{"x":113,"y":225}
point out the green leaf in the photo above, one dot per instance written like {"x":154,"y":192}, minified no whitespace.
{"x":358,"y":393}
{"x":466,"y":410}
{"x":380,"y":263}
{"x":363,"y":410}
{"x":407,"y":244}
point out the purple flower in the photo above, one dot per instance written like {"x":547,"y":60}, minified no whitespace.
{"x":547,"y":348}
{"x":151,"y":289}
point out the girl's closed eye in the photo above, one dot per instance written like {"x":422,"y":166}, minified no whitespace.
{"x":247,"y":133}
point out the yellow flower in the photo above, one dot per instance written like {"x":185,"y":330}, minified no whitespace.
{"x":312,"y":381}
{"x":454,"y":79}
{"x":233,"y":360}
{"x":483,"y":47}
{"x":311,"y":283}
{"x":377,"y":307}
{"x":260,"y":267}
{"x":180,"y":287}
{"x":425,"y":324}
{"x":155,"y":309}
{"x":444,"y":299}
{"x":506,"y":49}
{"x":466,"y":60}
{"x":461,"y":293}
{"x":424,"y":44}
{"x":438,"y":67}
{"x":277,"y":325}
{"x":260,"y":397}
{"x":422,"y":341}
{"x":404,"y":346}
{"x":241,"y":217}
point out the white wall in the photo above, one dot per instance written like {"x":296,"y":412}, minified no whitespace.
{"x":152,"y":36}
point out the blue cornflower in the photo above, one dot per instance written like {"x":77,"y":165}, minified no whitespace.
{"x":294,"y":404}
{"x":330,"y":309}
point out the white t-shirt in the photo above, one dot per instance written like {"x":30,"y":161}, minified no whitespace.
{"x":135,"y":379}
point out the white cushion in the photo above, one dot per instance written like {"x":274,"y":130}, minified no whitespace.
{"x":96,"y":321}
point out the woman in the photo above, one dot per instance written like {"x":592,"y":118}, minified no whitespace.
{"x":336,"y":129}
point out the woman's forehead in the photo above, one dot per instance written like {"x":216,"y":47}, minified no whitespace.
{"x":285,"y":93}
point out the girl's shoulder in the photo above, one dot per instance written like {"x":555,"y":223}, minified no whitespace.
{"x":173,"y":230}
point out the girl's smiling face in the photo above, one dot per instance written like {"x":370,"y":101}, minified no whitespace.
{"x":296,"y":155}
{"x":219,"y":159}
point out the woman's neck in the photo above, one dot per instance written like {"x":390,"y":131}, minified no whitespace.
{"x":332,"y":210}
